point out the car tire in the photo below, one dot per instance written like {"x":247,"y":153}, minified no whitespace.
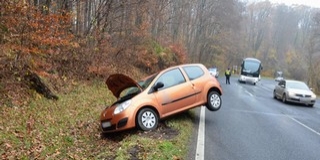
{"x":214,"y":101}
{"x":274,"y":95}
{"x":310,"y":105}
{"x":284,"y":98}
{"x":147,"y":119}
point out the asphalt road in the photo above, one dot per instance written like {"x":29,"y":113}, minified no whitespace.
{"x":251,"y":125}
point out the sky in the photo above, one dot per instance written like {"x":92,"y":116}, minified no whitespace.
{"x":311,"y":3}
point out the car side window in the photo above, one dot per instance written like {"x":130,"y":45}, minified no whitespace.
{"x":193,"y":72}
{"x":282,"y":83}
{"x":171,"y":78}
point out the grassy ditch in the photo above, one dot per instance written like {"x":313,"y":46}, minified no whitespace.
{"x":69,"y":129}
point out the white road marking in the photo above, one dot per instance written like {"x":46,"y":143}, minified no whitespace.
{"x":305,"y":126}
{"x":250,"y":94}
{"x":201,"y":130}
{"x":246,"y":91}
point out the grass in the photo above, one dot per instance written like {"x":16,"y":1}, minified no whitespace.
{"x":69,"y":129}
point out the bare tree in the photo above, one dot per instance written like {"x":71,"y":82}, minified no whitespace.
{"x":313,"y":56}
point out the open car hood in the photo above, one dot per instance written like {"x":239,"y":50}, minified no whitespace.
{"x":119,"y":82}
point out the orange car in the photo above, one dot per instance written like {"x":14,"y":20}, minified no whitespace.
{"x":173,"y":90}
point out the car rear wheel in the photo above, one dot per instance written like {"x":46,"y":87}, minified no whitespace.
{"x":214,"y":101}
{"x":274,"y":95}
{"x":284,"y":98}
{"x":147,"y":119}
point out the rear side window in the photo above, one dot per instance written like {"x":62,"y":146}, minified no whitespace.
{"x":193,"y":72}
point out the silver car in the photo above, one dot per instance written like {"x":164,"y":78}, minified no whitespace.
{"x":294,"y":91}
{"x":214,"y":71}
{"x":278,"y":79}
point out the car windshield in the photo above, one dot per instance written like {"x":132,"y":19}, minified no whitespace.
{"x":213,"y":69}
{"x":132,"y":91}
{"x":297,"y":85}
{"x":146,"y":82}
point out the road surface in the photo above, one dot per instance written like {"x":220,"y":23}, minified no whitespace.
{"x":251,"y":125}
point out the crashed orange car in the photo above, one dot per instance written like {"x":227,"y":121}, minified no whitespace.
{"x":173,"y":90}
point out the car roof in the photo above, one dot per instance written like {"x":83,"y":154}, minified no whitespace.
{"x":183,"y":65}
{"x":252,"y":59}
{"x":291,"y":80}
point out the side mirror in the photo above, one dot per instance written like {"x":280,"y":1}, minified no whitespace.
{"x":157,"y":86}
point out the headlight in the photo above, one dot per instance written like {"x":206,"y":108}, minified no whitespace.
{"x":122,"y":106}
{"x":291,"y":94}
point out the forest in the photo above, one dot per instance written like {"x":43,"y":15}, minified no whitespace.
{"x":69,"y":41}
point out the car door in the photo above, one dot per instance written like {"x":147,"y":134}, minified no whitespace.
{"x":280,"y":88}
{"x":195,"y":75}
{"x":176,"y":95}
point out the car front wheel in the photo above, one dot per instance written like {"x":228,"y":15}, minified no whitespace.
{"x":147,"y":119}
{"x":214,"y":101}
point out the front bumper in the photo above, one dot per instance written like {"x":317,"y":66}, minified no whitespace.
{"x":301,"y":100}
{"x":107,"y":126}
{"x":110,"y":122}
{"x":248,"y":79}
